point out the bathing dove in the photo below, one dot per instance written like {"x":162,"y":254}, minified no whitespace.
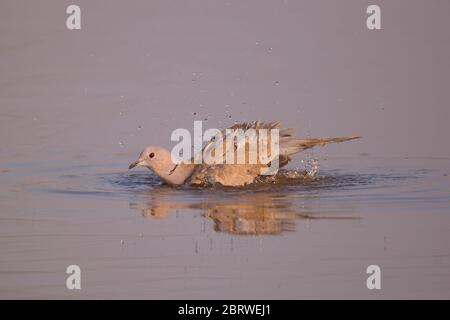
{"x":226,"y":142}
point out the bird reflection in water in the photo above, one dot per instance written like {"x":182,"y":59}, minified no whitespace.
{"x":248,"y":213}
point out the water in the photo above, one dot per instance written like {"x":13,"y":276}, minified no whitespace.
{"x":134,"y":237}
{"x":77,"y":107}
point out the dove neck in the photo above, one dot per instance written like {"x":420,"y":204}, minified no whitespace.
{"x":179,"y":175}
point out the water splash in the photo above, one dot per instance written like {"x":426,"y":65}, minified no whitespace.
{"x":312,"y":167}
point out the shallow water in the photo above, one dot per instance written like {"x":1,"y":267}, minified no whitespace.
{"x":134,"y":237}
{"x":77,"y":107}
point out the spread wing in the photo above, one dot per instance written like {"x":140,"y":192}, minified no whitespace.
{"x":229,"y":143}
{"x":245,"y":140}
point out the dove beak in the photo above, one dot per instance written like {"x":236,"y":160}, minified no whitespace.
{"x":134,"y":164}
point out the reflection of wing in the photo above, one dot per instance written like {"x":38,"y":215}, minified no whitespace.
{"x":249,"y":218}
{"x":162,"y":210}
{"x":245,"y":214}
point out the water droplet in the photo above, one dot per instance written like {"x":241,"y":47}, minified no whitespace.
{"x":122,"y":242}
{"x":195,"y":113}
{"x":121,"y":143}
{"x":277,"y":83}
{"x":270,"y":49}
{"x":313,"y":167}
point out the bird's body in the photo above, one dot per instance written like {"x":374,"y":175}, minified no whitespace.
{"x":236,"y":173}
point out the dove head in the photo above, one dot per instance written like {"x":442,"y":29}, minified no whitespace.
{"x":158,"y":159}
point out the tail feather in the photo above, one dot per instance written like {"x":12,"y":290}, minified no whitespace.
{"x":292,"y":146}
{"x":309,"y":143}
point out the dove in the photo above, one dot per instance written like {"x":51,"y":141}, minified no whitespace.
{"x":207,"y":173}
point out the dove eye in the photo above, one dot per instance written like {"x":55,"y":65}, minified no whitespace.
{"x":151,"y":155}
